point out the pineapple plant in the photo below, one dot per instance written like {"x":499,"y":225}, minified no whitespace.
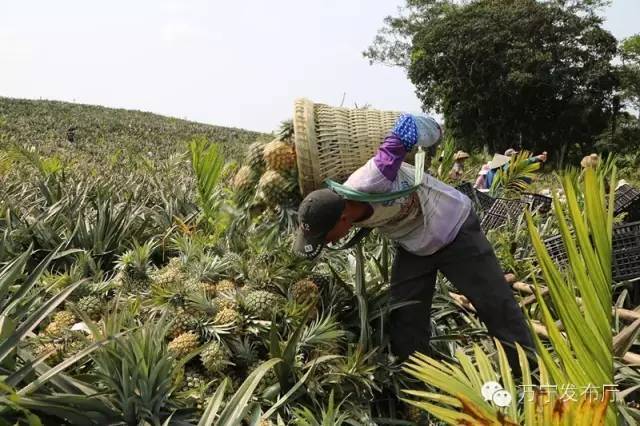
{"x":273,"y":188}
{"x":255,"y":158}
{"x":134,"y":266}
{"x":262,"y":304}
{"x":91,"y":306}
{"x":61,"y":322}
{"x":214,"y":358}
{"x":279,"y":156}
{"x":183,"y":345}
{"x":245,"y":353}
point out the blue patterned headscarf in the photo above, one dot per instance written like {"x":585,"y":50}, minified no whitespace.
{"x":419,"y":130}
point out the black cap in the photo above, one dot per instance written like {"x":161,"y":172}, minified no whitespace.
{"x":318,"y":214}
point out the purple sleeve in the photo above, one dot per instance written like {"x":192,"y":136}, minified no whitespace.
{"x":390,"y":156}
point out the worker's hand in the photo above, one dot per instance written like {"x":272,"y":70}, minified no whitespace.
{"x":418,"y":130}
{"x":542,"y":157}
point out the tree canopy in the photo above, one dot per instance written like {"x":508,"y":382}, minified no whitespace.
{"x":523,"y":73}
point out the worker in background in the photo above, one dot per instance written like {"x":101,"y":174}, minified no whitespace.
{"x":457,"y":170}
{"x":434,"y":229}
{"x":502,"y":162}
{"x":590,"y":161}
{"x":480,"y":183}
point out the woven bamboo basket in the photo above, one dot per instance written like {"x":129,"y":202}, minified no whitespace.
{"x":333,"y":142}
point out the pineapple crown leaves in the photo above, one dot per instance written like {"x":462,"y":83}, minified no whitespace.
{"x":137,"y":261}
{"x":244,"y":351}
{"x":286,"y":130}
{"x":141,"y":358}
{"x":166,"y":297}
{"x":323,"y":331}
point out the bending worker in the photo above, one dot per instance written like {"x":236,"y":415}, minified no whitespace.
{"x":434,"y":229}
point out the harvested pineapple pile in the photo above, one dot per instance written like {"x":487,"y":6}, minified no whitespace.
{"x":217,"y":312}
{"x":269,"y":175}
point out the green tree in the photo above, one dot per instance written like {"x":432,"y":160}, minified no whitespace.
{"x":630,"y":70}
{"x":509,"y":72}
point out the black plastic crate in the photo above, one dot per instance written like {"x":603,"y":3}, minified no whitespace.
{"x":492,"y":221}
{"x":508,"y":207}
{"x":480,"y":200}
{"x":627,"y":200}
{"x":626,"y":251}
{"x":485,"y":201}
{"x":468,"y":190}
{"x":537,"y":202}
{"x":556,"y":249}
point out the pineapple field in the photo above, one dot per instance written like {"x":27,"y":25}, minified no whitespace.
{"x":147,"y":278}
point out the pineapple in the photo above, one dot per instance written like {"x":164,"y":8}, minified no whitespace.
{"x":263,"y":304}
{"x":226,"y":316}
{"x":304,"y":291}
{"x":416,"y":415}
{"x":170,"y":274}
{"x":183,"y":345}
{"x":134,"y":266}
{"x":255,"y":158}
{"x":225,"y":287}
{"x":214,"y":358}
{"x":57,"y":350}
{"x":183,"y":322}
{"x":224,"y":303}
{"x":62,"y":321}
{"x":91,"y":306}
{"x":193,"y":380}
{"x":194,"y":388}
{"x":73,"y":343}
{"x":320,"y":280}
{"x":245,"y":178}
{"x":279,"y":156}
{"x":269,"y":379}
{"x":208,"y":288}
{"x":273,"y":188}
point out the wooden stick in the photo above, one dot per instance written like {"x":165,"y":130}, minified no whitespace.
{"x":624,"y":314}
{"x":538,"y":327}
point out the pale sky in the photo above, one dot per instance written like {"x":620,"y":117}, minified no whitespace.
{"x":230,"y":63}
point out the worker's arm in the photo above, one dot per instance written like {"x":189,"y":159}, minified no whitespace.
{"x":378,"y":174}
{"x":409,"y":131}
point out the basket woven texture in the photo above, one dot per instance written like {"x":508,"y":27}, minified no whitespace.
{"x":334,"y":142}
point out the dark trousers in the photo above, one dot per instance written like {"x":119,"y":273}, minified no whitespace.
{"x":472,"y":267}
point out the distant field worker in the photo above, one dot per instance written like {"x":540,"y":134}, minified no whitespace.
{"x":482,"y":177}
{"x":590,"y":161}
{"x":457,"y":171}
{"x":502,"y":162}
{"x":434,"y":229}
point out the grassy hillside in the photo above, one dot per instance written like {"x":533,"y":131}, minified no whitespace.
{"x":101,"y":132}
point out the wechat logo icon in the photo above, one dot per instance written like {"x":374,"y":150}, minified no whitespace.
{"x":493,"y":391}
